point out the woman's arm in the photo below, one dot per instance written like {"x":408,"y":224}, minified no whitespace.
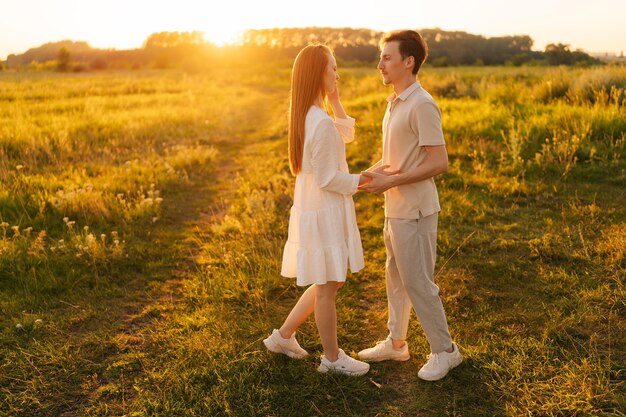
{"x":325,"y":162}
{"x":335,"y":103}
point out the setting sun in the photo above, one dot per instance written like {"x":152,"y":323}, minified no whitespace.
{"x":222,"y":36}
{"x":126,"y":25}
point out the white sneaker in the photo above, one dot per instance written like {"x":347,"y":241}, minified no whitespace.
{"x":439,"y":364}
{"x":384,"y":350}
{"x":290,"y":347}
{"x":344,"y":365}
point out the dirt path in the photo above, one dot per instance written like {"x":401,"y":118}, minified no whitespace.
{"x":122,"y":325}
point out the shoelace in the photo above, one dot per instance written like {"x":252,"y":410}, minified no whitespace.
{"x":380,"y":345}
{"x":435,"y":356}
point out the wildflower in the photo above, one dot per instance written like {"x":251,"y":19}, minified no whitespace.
{"x":103,"y":237}
{"x":154,"y":219}
{"x":18,"y":326}
{"x":70,"y":224}
{"x":116,"y":242}
{"x":86,"y":228}
{"x":66,"y":219}
{"x":158,"y":200}
{"x":4,"y":225}
{"x":19,"y":167}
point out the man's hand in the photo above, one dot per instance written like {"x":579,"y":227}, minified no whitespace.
{"x":380,"y":179}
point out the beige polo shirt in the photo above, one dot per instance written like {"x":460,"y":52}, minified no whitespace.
{"x":412,"y":120}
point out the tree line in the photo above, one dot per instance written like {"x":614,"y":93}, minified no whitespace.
{"x":191,"y":50}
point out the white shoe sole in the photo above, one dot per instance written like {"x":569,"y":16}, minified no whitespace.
{"x":438,"y":377}
{"x":385,"y":358}
{"x":276,"y":348}
{"x":324,"y":369}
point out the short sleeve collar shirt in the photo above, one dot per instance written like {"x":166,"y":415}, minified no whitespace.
{"x":412,"y":120}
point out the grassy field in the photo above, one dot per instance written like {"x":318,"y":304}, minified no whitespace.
{"x":143,"y":216}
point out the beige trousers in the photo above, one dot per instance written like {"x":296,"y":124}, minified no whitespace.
{"x":411,"y":250}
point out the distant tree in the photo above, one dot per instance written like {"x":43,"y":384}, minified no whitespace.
{"x":174,"y":39}
{"x":560,"y":54}
{"x":518,"y":59}
{"x":351,"y":45}
{"x":441,"y":61}
{"x":50,"y":52}
{"x":63,"y":59}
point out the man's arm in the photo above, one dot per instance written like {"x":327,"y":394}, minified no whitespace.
{"x":436,"y":163}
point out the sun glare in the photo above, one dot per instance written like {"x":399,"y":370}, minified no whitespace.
{"x":221,"y":36}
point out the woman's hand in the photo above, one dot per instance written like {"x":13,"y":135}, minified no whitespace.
{"x":363,"y":179}
{"x":333,"y":96}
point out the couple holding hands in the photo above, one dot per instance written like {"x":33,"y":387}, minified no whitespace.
{"x":323,"y":237}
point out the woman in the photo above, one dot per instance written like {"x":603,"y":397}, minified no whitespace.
{"x":323,"y":234}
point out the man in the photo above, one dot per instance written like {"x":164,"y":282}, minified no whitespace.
{"x":413,"y":153}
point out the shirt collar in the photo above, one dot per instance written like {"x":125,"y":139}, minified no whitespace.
{"x":406,"y":93}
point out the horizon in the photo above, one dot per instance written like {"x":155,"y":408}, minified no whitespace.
{"x":559,"y":21}
{"x":234,"y":40}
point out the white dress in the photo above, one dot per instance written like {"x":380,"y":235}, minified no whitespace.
{"x":323,"y":234}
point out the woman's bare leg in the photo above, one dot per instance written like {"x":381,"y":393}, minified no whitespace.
{"x":326,"y":318}
{"x":299,"y":313}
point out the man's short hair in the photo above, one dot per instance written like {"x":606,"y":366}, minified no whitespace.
{"x":411,"y":44}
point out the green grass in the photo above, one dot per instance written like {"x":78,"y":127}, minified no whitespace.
{"x":169,"y":320}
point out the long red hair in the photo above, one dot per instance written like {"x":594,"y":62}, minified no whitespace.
{"x":307,"y":86}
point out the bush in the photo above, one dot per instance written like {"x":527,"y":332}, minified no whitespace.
{"x":98,"y":64}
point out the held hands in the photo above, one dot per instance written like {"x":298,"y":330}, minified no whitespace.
{"x":363,"y":180}
{"x":378,"y":180}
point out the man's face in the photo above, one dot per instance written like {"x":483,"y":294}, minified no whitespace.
{"x":330,"y":75}
{"x":391,"y":65}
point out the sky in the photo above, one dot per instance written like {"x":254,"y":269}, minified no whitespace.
{"x":596,"y":26}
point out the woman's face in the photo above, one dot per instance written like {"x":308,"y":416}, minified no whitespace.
{"x":330,"y":75}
